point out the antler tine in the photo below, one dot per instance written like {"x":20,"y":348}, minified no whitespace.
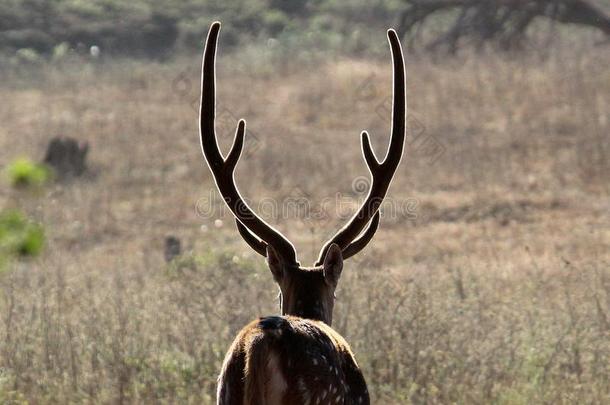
{"x":360,"y":243}
{"x":255,"y":243}
{"x":260,"y":247}
{"x":223,"y":169}
{"x":381,"y":172}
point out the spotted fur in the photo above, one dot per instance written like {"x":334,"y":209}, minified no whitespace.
{"x":287,"y":360}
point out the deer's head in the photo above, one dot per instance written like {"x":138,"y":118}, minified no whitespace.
{"x":307,"y":292}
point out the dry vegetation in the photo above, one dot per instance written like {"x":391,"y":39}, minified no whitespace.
{"x":496,"y":290}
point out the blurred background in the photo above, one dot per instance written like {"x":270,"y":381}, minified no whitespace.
{"x":124,"y":280}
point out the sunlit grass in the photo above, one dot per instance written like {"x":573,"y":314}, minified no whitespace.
{"x":496,"y":291}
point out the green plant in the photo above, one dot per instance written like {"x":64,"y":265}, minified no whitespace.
{"x":28,"y":56}
{"x":19,"y":236}
{"x":24,"y":173}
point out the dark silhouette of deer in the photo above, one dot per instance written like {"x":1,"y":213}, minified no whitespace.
{"x":297,"y":358}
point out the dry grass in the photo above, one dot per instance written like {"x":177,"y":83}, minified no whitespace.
{"x":496,"y":290}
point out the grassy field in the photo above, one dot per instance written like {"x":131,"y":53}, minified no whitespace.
{"x":488,"y":282}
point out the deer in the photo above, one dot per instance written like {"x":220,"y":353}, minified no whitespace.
{"x":297,"y":357}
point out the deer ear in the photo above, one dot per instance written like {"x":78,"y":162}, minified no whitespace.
{"x":333,"y":265}
{"x":275,"y":263}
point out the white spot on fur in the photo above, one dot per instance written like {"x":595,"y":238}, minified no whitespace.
{"x":306,"y":395}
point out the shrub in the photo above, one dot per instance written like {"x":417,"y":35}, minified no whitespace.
{"x":27,"y":55}
{"x":25,"y":173}
{"x":19,"y":236}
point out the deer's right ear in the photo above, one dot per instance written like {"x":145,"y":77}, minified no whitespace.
{"x":275,"y":263}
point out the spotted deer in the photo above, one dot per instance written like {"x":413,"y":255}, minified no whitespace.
{"x":297,"y":358}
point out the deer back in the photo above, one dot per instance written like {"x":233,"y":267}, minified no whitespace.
{"x":281,"y":360}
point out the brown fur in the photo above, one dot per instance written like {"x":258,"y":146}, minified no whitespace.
{"x":291,"y":360}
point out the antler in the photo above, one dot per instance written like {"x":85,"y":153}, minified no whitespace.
{"x":381,"y":172}
{"x":261,"y":247}
{"x":223,"y":169}
{"x":255,"y":231}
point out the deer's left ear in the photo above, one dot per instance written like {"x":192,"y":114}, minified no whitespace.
{"x":333,"y":265}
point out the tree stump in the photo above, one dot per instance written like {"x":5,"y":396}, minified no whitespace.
{"x":172,"y":248}
{"x":67,"y":157}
